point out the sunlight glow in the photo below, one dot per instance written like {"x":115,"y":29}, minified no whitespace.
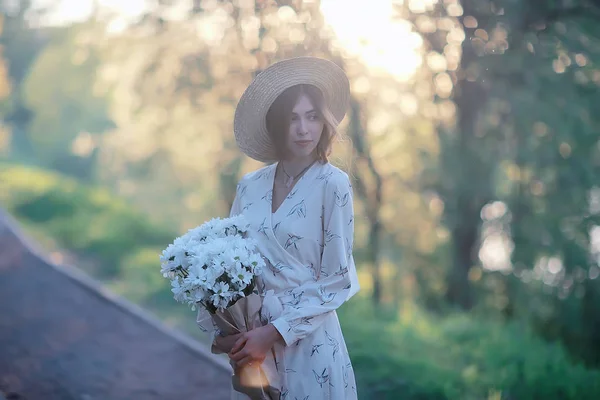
{"x":595,"y":246}
{"x":68,"y":11}
{"x":497,"y":246}
{"x":386,"y":44}
{"x":495,"y":252}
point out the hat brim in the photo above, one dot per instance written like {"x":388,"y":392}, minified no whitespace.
{"x":250,"y":126}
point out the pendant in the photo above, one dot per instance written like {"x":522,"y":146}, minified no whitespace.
{"x":288,"y":182}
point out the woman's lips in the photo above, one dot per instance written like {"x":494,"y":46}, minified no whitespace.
{"x":303,"y":143}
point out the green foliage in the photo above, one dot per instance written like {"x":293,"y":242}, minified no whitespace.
{"x":86,"y":220}
{"x":419,"y":356}
{"x":410,"y":355}
{"x":549,"y":175}
{"x":121,"y":244}
{"x":139,"y":278}
{"x":19,"y":46}
{"x":68,"y":106}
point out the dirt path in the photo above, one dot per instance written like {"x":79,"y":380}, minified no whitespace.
{"x":62,"y":337}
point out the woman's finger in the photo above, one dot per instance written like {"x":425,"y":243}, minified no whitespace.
{"x":233,"y":338}
{"x":238,"y":344}
{"x":244,"y":362}
{"x":239,"y":355}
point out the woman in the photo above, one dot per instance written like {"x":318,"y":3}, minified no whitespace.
{"x":300,"y":209}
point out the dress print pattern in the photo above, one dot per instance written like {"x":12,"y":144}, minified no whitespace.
{"x":307,"y":245}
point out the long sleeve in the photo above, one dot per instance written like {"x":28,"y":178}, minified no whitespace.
{"x":337,"y":279}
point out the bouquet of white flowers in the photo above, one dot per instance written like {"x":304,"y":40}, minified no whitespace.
{"x":215,"y":266}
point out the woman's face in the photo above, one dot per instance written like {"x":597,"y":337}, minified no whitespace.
{"x":306,"y":127}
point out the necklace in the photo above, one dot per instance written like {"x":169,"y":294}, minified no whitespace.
{"x":290,"y":179}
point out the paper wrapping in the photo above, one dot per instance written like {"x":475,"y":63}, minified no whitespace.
{"x":259,"y":382}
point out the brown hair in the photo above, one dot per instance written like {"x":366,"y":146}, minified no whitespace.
{"x":279,"y":118}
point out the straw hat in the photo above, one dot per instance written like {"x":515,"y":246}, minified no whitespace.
{"x":250,"y":125}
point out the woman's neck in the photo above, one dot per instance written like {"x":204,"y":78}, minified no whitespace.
{"x":295,"y":165}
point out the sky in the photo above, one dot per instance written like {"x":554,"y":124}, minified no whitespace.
{"x":66,"y":11}
{"x":385,"y":44}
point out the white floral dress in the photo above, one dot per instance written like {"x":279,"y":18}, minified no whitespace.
{"x":307,"y":244}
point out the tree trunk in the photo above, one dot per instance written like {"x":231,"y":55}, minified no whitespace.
{"x":470,"y":97}
{"x":464,"y":241}
{"x":371,"y":197}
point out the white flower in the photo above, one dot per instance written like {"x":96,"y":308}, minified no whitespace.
{"x":178,"y":291}
{"x":215,"y":271}
{"x":222,"y":295}
{"x":170,"y":274}
{"x":256,"y":263}
{"x":217,"y":246}
{"x":238,"y":295}
{"x":197,"y":261}
{"x":220,"y":260}
{"x":240,"y":222}
{"x":229,"y":257}
{"x":221,"y":288}
{"x":197,"y":276}
{"x":172,"y":257}
{"x":183,"y":242}
{"x":240,"y":276}
{"x":221,"y":303}
{"x":198,"y":294}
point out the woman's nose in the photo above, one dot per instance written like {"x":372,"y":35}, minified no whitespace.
{"x":302,"y":127}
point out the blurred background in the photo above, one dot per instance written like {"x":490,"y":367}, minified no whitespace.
{"x":473,"y":143}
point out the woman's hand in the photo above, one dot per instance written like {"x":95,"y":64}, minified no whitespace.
{"x":225,"y":343}
{"x":252,"y":346}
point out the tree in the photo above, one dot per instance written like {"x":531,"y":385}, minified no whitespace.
{"x":494,"y":56}
{"x":20,"y":46}
{"x":69,"y":109}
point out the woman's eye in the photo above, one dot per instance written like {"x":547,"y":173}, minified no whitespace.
{"x":294,"y":118}
{"x":313,"y":117}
